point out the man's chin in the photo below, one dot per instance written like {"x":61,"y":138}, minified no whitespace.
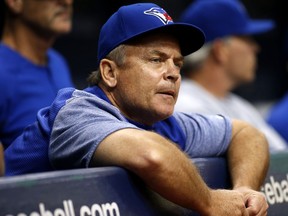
{"x":62,"y":29}
{"x":165,"y":113}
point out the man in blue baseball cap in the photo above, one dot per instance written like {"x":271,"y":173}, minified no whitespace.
{"x":227,"y":60}
{"x":125,"y":118}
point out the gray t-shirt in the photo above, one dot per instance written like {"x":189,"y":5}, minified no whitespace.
{"x":86,"y":119}
{"x":194,"y":98}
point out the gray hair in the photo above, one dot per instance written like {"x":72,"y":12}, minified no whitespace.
{"x":117,"y":55}
{"x":195,"y":60}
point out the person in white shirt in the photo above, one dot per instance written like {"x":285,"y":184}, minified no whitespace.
{"x":227,"y":60}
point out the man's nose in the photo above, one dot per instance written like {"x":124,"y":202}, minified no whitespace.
{"x":173,"y":71}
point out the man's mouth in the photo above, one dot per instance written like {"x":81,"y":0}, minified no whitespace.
{"x":168,"y":93}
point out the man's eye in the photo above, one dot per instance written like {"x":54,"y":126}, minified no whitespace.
{"x":179,"y":65}
{"x":156,"y":60}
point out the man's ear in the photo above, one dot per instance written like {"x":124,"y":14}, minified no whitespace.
{"x":220,"y":50}
{"x":14,"y":5}
{"x":108,"y":70}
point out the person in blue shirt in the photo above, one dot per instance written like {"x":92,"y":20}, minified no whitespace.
{"x":125,"y":118}
{"x":31,"y":72}
{"x":277,"y":117}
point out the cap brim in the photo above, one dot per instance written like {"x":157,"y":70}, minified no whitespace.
{"x":190,"y":37}
{"x":259,"y":26}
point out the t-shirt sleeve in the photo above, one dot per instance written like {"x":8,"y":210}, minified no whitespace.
{"x":206,"y":135}
{"x":78,"y":129}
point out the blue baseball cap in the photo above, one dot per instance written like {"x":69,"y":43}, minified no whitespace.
{"x":221,"y":18}
{"x":135,"y":20}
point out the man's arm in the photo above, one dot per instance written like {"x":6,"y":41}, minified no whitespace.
{"x":248,"y":156}
{"x":248,"y":159}
{"x":166,"y":170}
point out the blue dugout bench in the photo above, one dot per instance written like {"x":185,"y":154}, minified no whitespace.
{"x":112,"y":191}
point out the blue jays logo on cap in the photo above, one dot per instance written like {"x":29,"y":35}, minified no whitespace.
{"x":160,"y":14}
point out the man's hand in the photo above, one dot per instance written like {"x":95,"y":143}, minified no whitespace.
{"x":239,"y":202}
{"x":255,"y":201}
{"x":227,"y":203}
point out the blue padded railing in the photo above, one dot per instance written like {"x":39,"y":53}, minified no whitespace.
{"x":113,"y":191}
{"x":275,"y":186}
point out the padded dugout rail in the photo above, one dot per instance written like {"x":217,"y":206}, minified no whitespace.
{"x":112,"y":191}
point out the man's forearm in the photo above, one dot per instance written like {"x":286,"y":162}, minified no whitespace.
{"x":248,"y":157}
{"x":166,"y":170}
{"x":159,"y":163}
{"x":177,"y":179}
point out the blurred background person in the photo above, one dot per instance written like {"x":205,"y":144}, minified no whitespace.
{"x":31,"y":72}
{"x":227,"y":60}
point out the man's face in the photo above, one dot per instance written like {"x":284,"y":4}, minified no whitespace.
{"x":242,"y":61}
{"x":48,"y":16}
{"x":148,"y":83}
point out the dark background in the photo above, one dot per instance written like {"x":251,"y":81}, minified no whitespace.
{"x":80,"y":46}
